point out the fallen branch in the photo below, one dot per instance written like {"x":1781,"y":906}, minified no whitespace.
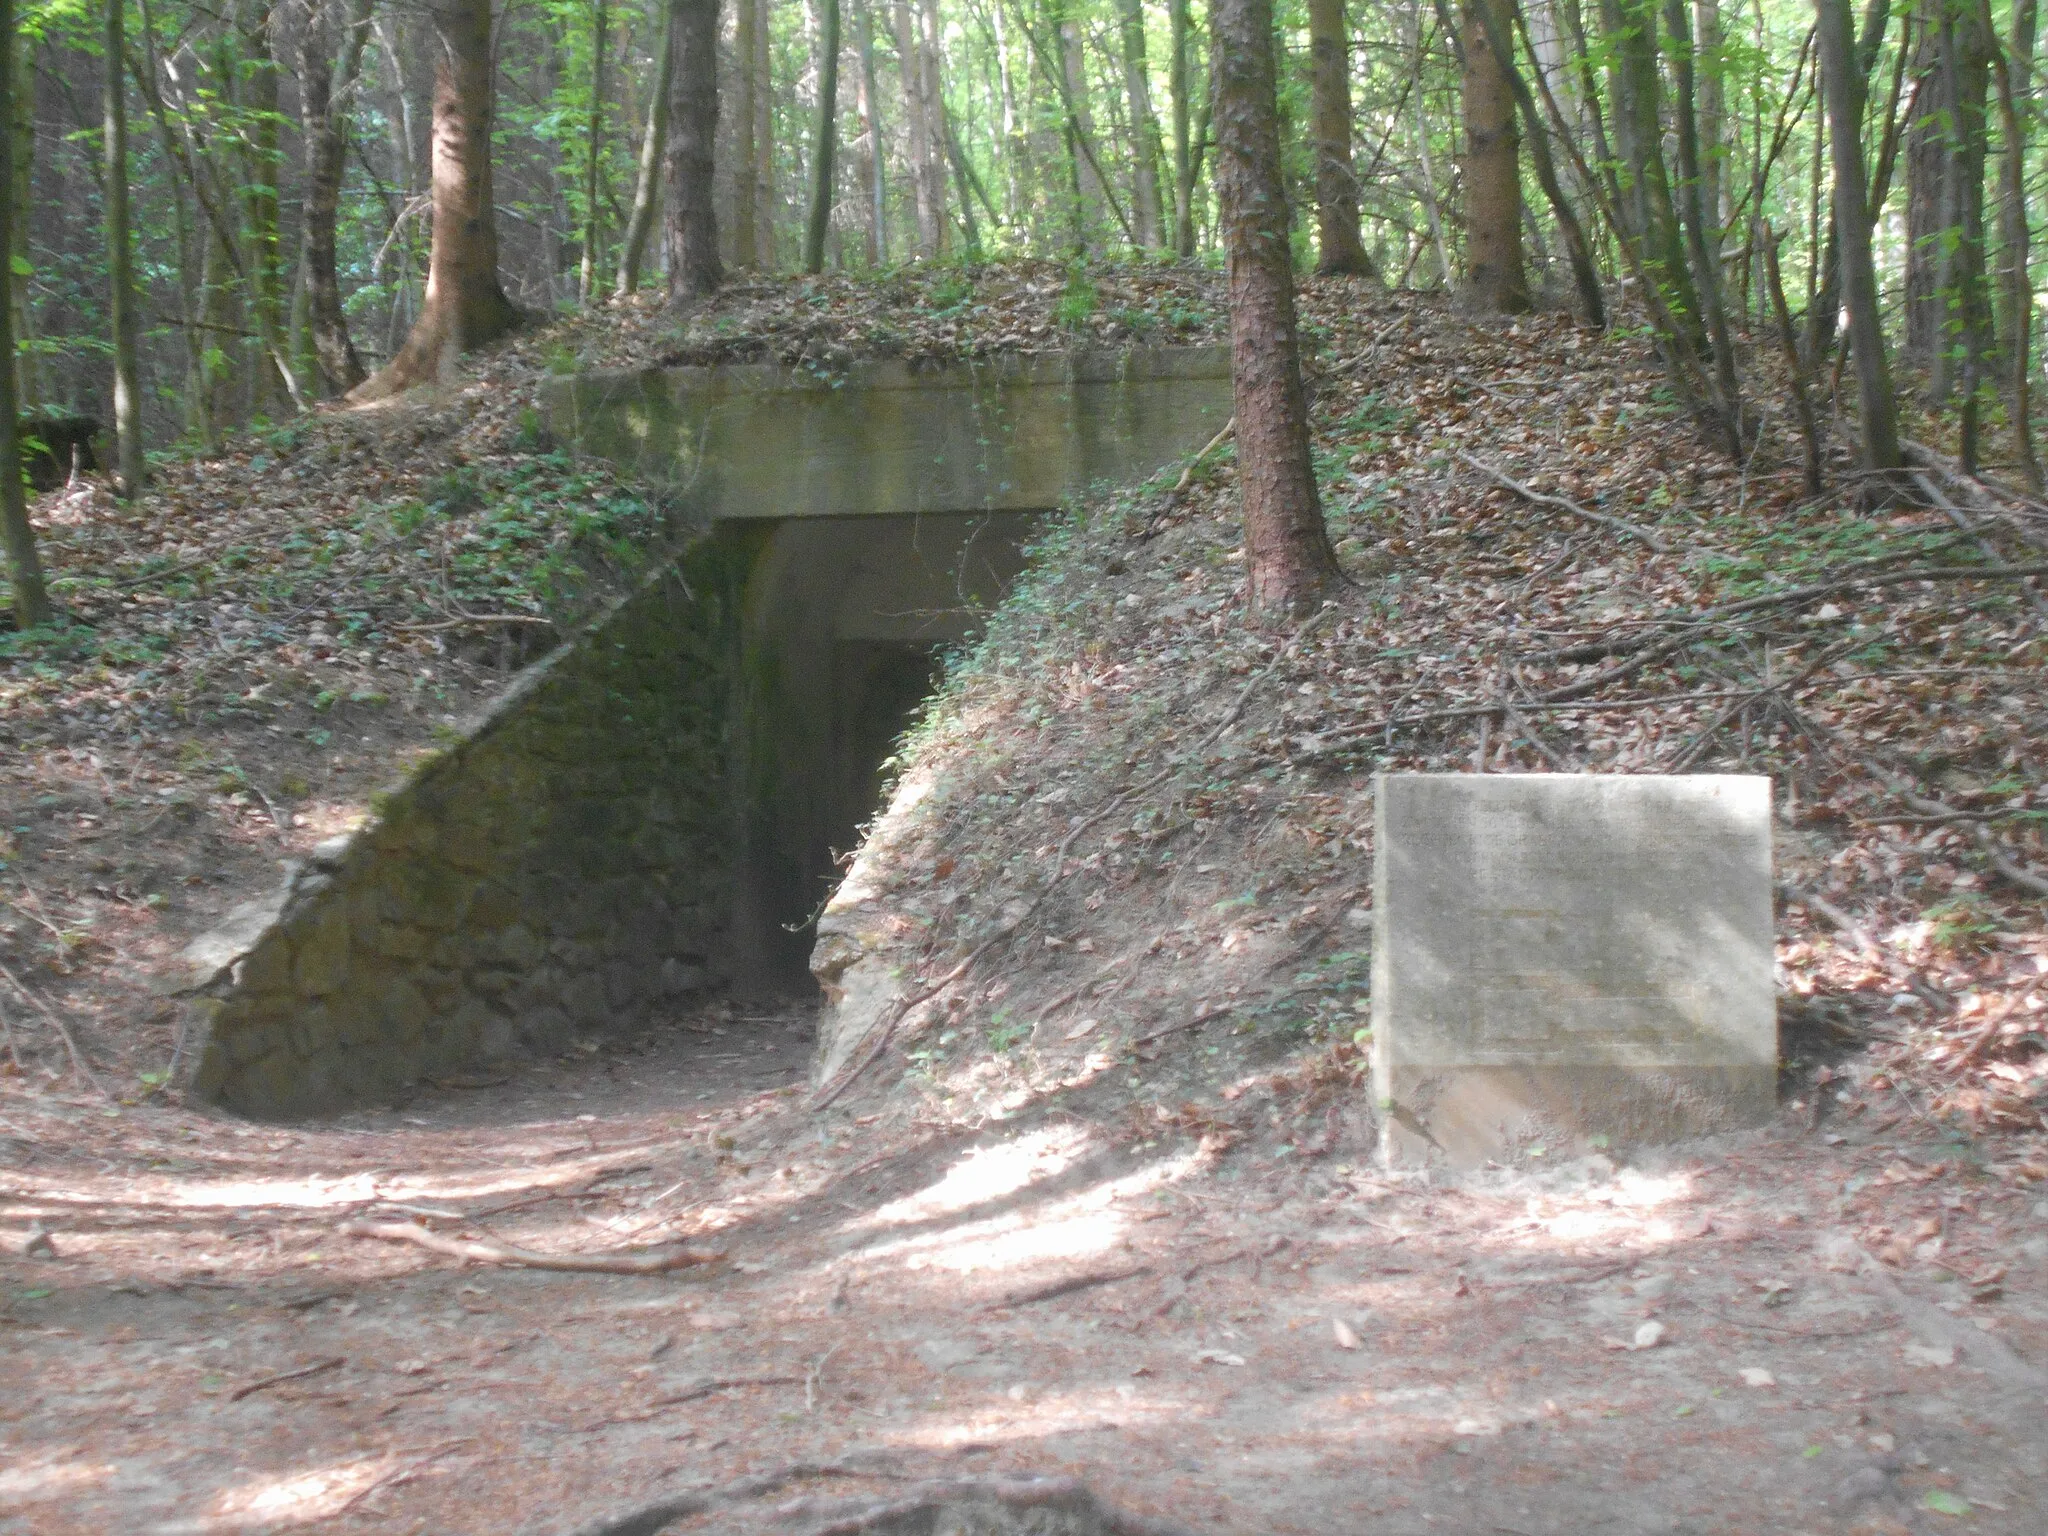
{"x":1565,"y":504}
{"x":1187,"y":475}
{"x":63,"y":1032}
{"x":332,"y":1362}
{"x":475,"y":618}
{"x":709,"y":1385}
{"x":1056,"y":1288}
{"x":646,"y":1261}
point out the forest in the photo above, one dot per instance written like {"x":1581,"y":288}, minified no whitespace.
{"x":224,"y":214}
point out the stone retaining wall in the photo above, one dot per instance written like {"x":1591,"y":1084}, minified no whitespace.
{"x":557,"y":871}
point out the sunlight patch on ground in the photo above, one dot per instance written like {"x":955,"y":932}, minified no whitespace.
{"x":48,"y":1477}
{"x":1031,"y":1416}
{"x":313,"y":1192}
{"x":287,"y":1498}
{"x":985,"y":1174}
{"x":1076,"y":1226}
{"x":1630,"y":1207}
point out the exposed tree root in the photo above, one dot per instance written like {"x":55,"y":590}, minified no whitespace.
{"x":642,"y":1261}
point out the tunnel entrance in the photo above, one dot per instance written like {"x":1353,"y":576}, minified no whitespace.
{"x":657,"y":809}
{"x":845,"y":623}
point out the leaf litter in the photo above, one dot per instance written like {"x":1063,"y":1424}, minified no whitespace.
{"x":1236,"y":894}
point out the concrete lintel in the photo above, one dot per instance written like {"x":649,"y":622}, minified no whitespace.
{"x":888,"y":437}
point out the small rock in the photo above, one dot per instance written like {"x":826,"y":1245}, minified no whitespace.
{"x":1862,"y":1484}
{"x":1940,"y":1356}
{"x":1757,"y":1376}
{"x":39,"y":1244}
{"x":1342,"y":1331}
{"x":1649,"y":1336}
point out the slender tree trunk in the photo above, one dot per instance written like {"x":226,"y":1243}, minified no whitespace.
{"x":324,"y":128}
{"x":1493,"y":174}
{"x":873,"y":179}
{"x":2015,"y":286}
{"x":1700,"y":244}
{"x":465,"y":307}
{"x":765,"y":199}
{"x":593,"y":166}
{"x":692,"y":223}
{"x":746,"y":219}
{"x":1091,"y":195}
{"x":1338,"y":247}
{"x":31,"y":595}
{"x":21,"y":121}
{"x":825,"y":145}
{"x":1178,"y":82}
{"x":1711,"y":115}
{"x":1431,"y":211}
{"x":1946,"y":304}
{"x":1287,"y":549}
{"x":1578,"y":252}
{"x":262,"y":162}
{"x":1638,"y":122}
{"x":1147,"y":212}
{"x":931,"y":215}
{"x":1844,"y":87}
{"x":647,"y":180}
{"x":120,"y":261}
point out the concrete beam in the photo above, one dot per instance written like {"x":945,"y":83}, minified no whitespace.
{"x":889,"y":438}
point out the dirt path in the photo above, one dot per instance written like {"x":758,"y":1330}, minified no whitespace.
{"x":1149,"y":1302}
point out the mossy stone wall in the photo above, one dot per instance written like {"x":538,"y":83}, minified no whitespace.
{"x":561,"y":869}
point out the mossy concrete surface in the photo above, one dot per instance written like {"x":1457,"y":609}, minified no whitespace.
{"x":889,"y":438}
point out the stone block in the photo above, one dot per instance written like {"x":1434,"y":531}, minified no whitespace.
{"x":311,"y":1030}
{"x":1560,"y":957}
{"x":406,"y":1010}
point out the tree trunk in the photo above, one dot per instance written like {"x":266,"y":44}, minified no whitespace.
{"x":1947,"y":308}
{"x":31,"y":595}
{"x":120,"y":261}
{"x":746,"y":220}
{"x":22,"y":122}
{"x":1700,"y":244}
{"x":692,"y":224}
{"x":1578,"y":252}
{"x":592,"y":274}
{"x":1091,"y":197}
{"x":1287,"y":550}
{"x":1147,"y":212}
{"x":1631,"y":27}
{"x":930,"y":210}
{"x":1178,"y":60}
{"x":647,"y":180}
{"x":1711,"y":113}
{"x":1338,"y":248}
{"x":2016,"y":290}
{"x":873,"y":178}
{"x":465,"y":307}
{"x":825,"y":145}
{"x":1493,"y":174}
{"x":262,"y":161}
{"x":1845,"y":86}
{"x":763,"y":169}
{"x":324,"y":128}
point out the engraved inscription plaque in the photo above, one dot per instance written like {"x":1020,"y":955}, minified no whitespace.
{"x":1560,"y":957}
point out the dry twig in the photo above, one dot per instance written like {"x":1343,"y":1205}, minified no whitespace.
{"x":1565,"y":504}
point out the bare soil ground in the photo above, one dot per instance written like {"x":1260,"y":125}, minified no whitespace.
{"x":1106,"y":1207}
{"x":1202,"y":1322}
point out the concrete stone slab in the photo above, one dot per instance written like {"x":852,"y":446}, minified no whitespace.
{"x":1564,"y":957}
{"x":886,"y":438}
